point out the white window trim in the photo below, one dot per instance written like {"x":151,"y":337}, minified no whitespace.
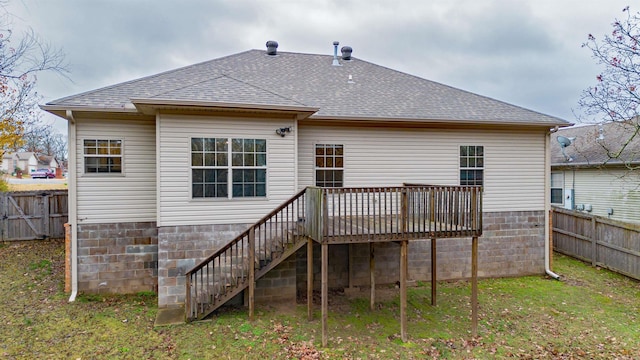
{"x":109,"y":174}
{"x":551,"y":187}
{"x":316,"y":168}
{"x":484,"y":156}
{"x":229,"y":167}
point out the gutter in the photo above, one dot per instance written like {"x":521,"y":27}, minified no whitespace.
{"x":73,"y":218}
{"x":547,"y":205}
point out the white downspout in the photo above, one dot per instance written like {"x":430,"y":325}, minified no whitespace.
{"x":547,"y":205}
{"x":73,"y":218}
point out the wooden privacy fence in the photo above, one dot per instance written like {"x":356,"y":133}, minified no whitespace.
{"x":30,"y":215}
{"x":607,"y":243}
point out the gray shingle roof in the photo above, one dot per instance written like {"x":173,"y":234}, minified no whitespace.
{"x":587,"y":149}
{"x":295,"y":79}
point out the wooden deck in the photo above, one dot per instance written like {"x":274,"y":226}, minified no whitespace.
{"x":337,"y":216}
{"x":361,"y":215}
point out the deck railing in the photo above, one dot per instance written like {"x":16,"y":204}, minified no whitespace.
{"x":227,"y":271}
{"x":331,"y":215}
{"x":339,"y":215}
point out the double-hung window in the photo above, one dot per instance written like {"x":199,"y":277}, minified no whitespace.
{"x":471,"y":165}
{"x":557,"y":185}
{"x":249,"y":167}
{"x":102,"y":156}
{"x":228,"y":168}
{"x":329,"y":165}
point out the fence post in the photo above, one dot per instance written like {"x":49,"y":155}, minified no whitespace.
{"x":594,"y":242}
{"x":46,"y":216}
{"x":3,"y":216}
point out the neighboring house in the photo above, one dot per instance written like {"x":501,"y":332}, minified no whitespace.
{"x":9,"y":162}
{"x":47,"y":162}
{"x":589,"y":177}
{"x":168,"y":168}
{"x":26,"y":161}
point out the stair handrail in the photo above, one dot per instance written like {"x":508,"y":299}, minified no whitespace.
{"x":238,"y":241}
{"x":245,"y":233}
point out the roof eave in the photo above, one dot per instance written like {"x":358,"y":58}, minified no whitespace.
{"x":151,"y":106}
{"x":60,"y":110}
{"x":583,"y":164}
{"x":560,"y":123}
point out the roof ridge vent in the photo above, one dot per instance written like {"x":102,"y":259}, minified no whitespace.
{"x":346,"y":53}
{"x":335,"y":54}
{"x":272,"y":47}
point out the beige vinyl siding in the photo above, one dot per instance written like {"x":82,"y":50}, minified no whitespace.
{"x":175,"y":202}
{"x":607,"y":188}
{"x":126,"y":197}
{"x":386,"y":156}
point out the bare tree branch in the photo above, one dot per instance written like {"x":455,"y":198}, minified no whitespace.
{"x":21,"y":59}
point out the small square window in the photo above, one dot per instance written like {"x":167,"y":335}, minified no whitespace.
{"x":102,"y":156}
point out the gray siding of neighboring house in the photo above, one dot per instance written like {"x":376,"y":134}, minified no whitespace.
{"x":604,"y":189}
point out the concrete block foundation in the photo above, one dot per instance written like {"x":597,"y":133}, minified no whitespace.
{"x":131,"y":257}
{"x":117,"y":258}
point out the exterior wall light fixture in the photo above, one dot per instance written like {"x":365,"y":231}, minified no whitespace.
{"x":282,"y":131}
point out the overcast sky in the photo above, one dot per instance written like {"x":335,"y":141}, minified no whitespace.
{"x":524,"y":52}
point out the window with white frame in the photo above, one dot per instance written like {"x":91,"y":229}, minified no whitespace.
{"x":102,"y":156}
{"x":228,"y":168}
{"x":557,"y":188}
{"x":249,"y":167}
{"x":471,"y":165}
{"x":329,"y":165}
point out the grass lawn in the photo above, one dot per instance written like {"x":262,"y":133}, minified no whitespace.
{"x":592,"y":313}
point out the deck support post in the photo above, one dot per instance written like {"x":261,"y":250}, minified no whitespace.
{"x":252,"y":272}
{"x":350,"y":266}
{"x":403,"y":290}
{"x":474,"y":286}
{"x":325,"y":291}
{"x":310,"y":279}
{"x":433,"y":271}
{"x":187,"y":301}
{"x":372,"y":276}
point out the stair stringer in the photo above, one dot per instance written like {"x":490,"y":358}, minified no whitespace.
{"x":243,"y":284}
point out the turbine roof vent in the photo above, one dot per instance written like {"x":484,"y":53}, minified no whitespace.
{"x":272,"y":47}
{"x":346,"y":52}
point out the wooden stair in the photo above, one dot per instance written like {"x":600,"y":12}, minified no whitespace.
{"x":226,"y":273}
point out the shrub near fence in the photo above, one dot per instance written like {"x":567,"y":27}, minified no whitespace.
{"x":30,"y":215}
{"x":604,"y":242}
